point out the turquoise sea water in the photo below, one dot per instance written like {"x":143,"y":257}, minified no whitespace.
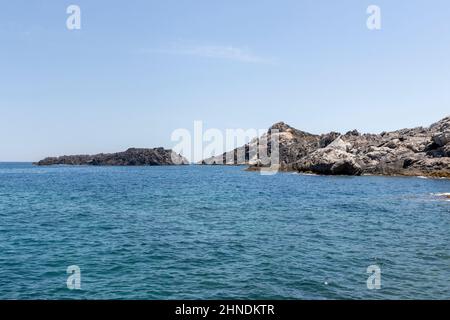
{"x":219,"y":232}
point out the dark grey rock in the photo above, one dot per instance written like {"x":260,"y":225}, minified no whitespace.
{"x":130,"y":157}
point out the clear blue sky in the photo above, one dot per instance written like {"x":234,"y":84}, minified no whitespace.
{"x":137,"y":70}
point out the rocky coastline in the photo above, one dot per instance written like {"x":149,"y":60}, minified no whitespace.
{"x":421,"y":151}
{"x":130,"y":157}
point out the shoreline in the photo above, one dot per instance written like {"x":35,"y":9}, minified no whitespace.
{"x":247,"y":168}
{"x":399,"y":175}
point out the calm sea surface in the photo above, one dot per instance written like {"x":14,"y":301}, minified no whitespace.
{"x":219,"y":232}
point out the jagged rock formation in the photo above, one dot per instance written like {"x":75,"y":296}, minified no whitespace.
{"x":131,"y":157}
{"x":293,"y":145}
{"x":413,"y":152}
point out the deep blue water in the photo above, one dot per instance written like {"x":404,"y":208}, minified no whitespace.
{"x":219,"y":232}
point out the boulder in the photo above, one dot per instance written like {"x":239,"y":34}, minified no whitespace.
{"x":442,"y":139}
{"x":340,"y":144}
{"x":329,"y":161}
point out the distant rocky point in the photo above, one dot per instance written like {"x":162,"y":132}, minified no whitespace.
{"x":131,"y":157}
{"x":421,"y":151}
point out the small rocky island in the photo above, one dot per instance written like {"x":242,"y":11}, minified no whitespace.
{"x":421,"y":151}
{"x":130,"y":157}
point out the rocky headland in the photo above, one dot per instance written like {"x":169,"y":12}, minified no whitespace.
{"x":130,"y":157}
{"x":421,"y":151}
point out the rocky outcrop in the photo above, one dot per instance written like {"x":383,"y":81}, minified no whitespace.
{"x":421,"y":151}
{"x":331,"y":160}
{"x":293,"y":145}
{"x":131,"y":157}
